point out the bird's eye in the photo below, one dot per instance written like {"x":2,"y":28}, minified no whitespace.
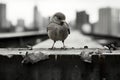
{"x":59,"y":18}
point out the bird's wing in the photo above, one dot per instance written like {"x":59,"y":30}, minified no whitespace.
{"x":67,"y":27}
{"x":69,"y":30}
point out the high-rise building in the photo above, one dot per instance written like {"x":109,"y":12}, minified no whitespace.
{"x":20,"y":22}
{"x":81,"y":18}
{"x":20,"y":27}
{"x":108,"y":23}
{"x":3,"y":20}
{"x":37,"y":19}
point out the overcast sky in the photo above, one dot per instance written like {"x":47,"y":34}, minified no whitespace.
{"x":24,"y":8}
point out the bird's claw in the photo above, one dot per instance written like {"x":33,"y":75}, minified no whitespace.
{"x":63,"y":48}
{"x":52,"y":48}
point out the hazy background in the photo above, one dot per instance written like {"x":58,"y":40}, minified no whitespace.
{"x":98,"y":19}
{"x":24,"y":8}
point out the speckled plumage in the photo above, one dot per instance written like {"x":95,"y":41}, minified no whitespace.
{"x":58,"y":29}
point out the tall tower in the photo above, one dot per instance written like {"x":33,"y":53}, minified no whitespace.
{"x":2,"y":16}
{"x":20,"y":27}
{"x":81,"y":18}
{"x":37,"y":19}
{"x":36,"y":26}
{"x":108,"y":23}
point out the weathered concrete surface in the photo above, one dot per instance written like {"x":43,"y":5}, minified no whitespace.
{"x":108,"y":66}
{"x":47,"y":51}
{"x":59,"y":67}
{"x":64,"y":68}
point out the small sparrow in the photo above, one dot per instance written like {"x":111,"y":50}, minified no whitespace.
{"x":58,"y":29}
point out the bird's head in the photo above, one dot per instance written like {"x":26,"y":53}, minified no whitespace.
{"x":59,"y":18}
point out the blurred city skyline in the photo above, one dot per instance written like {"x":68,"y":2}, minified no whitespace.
{"x":24,"y":8}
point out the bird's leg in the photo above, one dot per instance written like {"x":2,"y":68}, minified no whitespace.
{"x":63,"y":45}
{"x":53,"y":45}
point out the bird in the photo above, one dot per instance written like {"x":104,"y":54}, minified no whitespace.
{"x":58,"y":29}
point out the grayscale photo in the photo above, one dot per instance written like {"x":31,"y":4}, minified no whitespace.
{"x":59,"y":40}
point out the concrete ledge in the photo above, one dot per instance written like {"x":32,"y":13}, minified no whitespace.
{"x":66,"y":67}
{"x":61,"y":67}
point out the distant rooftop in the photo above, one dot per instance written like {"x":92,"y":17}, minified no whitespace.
{"x":20,"y":34}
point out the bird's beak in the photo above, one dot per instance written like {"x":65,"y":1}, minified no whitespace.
{"x":63,"y":20}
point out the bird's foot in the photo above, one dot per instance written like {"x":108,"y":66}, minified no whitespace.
{"x":63,"y":48}
{"x":52,"y":48}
